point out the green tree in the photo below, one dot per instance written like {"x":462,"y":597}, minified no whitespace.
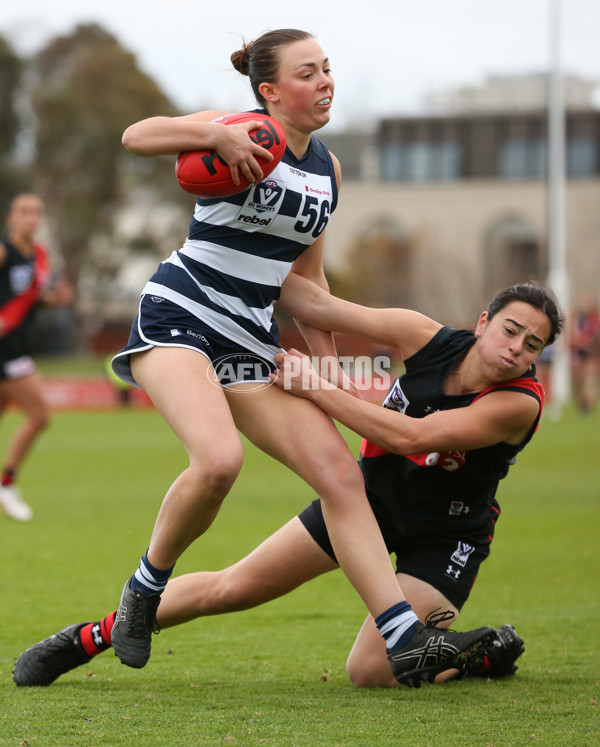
{"x":11,"y":69}
{"x":88,"y":90}
{"x":378,"y":270}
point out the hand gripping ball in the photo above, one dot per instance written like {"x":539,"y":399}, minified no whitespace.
{"x":204,"y":173}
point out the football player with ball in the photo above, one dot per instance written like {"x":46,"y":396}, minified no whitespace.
{"x":210,"y":303}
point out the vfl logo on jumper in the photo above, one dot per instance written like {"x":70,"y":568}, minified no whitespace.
{"x":262,"y":204}
{"x":461,"y":554}
{"x":267,"y":196}
{"x":21,"y":277}
{"x":396,"y":399}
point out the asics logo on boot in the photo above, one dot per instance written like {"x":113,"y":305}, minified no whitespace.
{"x":434,"y":648}
{"x":121,"y":615}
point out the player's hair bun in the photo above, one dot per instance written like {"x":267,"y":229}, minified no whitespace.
{"x":241,"y":59}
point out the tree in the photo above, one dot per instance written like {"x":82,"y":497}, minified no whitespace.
{"x":88,"y":90}
{"x":378,"y":271}
{"x":11,"y":68}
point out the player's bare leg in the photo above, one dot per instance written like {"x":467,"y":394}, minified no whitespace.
{"x":284,"y":561}
{"x":302,"y":436}
{"x":367,"y":664}
{"x":27,"y":394}
{"x":177,"y":381}
{"x":281,"y":563}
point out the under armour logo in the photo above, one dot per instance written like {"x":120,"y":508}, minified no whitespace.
{"x":452,"y":571}
{"x":98,"y":640}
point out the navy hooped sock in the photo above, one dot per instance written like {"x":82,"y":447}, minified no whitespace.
{"x":148,"y":579}
{"x":397,"y":625}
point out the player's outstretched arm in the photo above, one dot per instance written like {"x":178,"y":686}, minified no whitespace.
{"x":501,"y":416}
{"x":404,"y":329}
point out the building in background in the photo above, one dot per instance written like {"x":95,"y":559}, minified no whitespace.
{"x":463,"y":198}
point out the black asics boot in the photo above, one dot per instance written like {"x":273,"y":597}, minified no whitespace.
{"x":433,"y":650}
{"x":135,"y":622}
{"x":43,"y":663}
{"x":502,"y":653}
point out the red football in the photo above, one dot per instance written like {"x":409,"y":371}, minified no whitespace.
{"x":204,"y":173}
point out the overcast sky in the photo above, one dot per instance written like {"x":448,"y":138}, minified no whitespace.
{"x":386,"y":55}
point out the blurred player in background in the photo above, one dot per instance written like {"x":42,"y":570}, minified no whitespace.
{"x":24,"y":283}
{"x":585,"y":351}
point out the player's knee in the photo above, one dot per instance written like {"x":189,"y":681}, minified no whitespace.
{"x":232,"y":594}
{"x":369,"y":671}
{"x":41,"y":420}
{"x":345,"y":474}
{"x":216,"y":471}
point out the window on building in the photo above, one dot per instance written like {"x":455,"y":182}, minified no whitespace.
{"x":512,"y":253}
{"x":522,"y":158}
{"x":420,"y":161}
{"x":582,"y":157}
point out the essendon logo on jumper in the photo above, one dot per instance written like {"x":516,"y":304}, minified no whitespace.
{"x":451,"y":461}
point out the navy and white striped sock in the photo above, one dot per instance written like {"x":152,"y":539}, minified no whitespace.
{"x":397,"y":625}
{"x":148,"y":579}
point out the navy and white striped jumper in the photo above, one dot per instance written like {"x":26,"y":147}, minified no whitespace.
{"x":216,"y":294}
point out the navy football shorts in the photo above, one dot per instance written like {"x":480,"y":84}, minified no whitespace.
{"x":161,"y":323}
{"x":449,"y":565}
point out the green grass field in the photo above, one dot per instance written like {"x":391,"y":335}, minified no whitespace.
{"x":275,"y":675}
